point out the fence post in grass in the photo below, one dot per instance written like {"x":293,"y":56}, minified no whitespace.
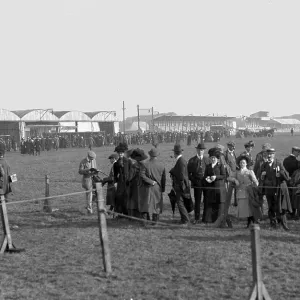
{"x":47,"y":204}
{"x":7,"y":244}
{"x":1,"y":295}
{"x":103,"y":229}
{"x":259,"y":291}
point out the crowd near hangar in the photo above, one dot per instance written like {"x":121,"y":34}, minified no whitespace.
{"x":23,"y":123}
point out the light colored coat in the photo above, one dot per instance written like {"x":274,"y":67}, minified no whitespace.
{"x":84,"y":167}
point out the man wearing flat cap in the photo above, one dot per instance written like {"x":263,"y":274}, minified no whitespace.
{"x":85,"y":169}
{"x":291,"y":164}
{"x":180,"y":183}
{"x":196,"y":168}
{"x":249,"y":146}
{"x":273,"y":174}
{"x":153,"y":175}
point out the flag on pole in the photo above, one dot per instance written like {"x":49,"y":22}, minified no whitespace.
{"x":145,"y":111}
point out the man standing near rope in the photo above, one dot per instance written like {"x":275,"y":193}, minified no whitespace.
{"x":85,"y":169}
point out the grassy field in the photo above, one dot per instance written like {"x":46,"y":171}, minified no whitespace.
{"x":63,"y":256}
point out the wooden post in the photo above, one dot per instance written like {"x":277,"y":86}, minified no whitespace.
{"x":259,"y":291}
{"x":7,"y":245}
{"x":1,"y":295}
{"x":103,"y":229}
{"x":47,"y":204}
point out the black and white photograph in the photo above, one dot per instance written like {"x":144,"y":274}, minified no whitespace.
{"x":149,"y":150}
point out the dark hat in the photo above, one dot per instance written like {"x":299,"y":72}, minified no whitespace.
{"x":113,"y":155}
{"x":271,"y":150}
{"x":138,"y":155}
{"x":122,"y":147}
{"x":214,"y":152}
{"x":241,"y":157}
{"x":2,"y":149}
{"x":201,"y":146}
{"x":231,"y":143}
{"x":154,"y":152}
{"x":91,"y":154}
{"x":295,"y":148}
{"x":177,"y":149}
{"x":249,"y":144}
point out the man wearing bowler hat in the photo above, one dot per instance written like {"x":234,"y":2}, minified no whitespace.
{"x":196,"y":167}
{"x":180,"y":183}
{"x":273,"y":174}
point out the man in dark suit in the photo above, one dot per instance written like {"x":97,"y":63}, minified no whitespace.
{"x":196,"y":167}
{"x":291,"y":164}
{"x":180,"y":183}
{"x":272,"y":173}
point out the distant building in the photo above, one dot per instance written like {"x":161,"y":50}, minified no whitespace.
{"x":191,"y":123}
{"x":260,"y":114}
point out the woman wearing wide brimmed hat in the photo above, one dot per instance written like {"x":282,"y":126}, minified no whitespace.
{"x":215,"y":184}
{"x":121,"y":169}
{"x":135,"y":184}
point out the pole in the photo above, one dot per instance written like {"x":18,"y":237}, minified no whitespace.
{"x":152,"y":119}
{"x":103,"y":229}
{"x":123,"y":117}
{"x":259,"y":291}
{"x":138,"y":116}
{"x":47,"y":204}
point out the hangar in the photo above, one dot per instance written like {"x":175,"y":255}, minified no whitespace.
{"x":23,"y":123}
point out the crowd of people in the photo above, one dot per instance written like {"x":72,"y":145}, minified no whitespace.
{"x":136,"y":184}
{"x":34,"y":144}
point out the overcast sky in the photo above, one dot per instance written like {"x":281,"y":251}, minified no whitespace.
{"x":190,"y":57}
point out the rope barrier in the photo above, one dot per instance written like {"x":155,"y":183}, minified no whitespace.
{"x":50,"y":197}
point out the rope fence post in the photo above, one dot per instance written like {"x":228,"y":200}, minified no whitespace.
{"x":259,"y":291}
{"x":7,"y":244}
{"x":103,"y":229}
{"x":47,"y":204}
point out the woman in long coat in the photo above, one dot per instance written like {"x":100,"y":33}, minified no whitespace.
{"x":121,"y":169}
{"x":215,"y":183}
{"x":111,"y":190}
{"x":244,"y":179}
{"x":153,"y":175}
{"x":135,"y":183}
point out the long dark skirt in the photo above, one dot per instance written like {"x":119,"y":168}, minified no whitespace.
{"x":211,"y":211}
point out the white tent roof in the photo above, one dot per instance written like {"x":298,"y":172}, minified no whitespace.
{"x":287,"y":121}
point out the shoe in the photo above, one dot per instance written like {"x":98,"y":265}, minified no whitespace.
{"x":89,"y":210}
{"x":284,"y":223}
{"x":184,"y":225}
{"x":197,"y":222}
